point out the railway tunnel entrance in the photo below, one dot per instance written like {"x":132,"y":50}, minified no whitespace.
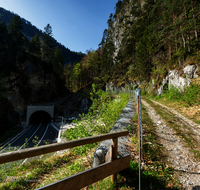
{"x":39,"y":117}
{"x":39,"y":113}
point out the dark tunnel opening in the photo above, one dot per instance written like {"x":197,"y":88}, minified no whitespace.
{"x":39,"y":117}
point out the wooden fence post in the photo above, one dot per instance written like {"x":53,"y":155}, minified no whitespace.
{"x":114,"y":157}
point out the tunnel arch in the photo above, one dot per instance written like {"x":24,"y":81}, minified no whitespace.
{"x":34,"y":111}
{"x":39,"y":116}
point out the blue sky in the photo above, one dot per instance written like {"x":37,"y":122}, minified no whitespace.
{"x":77,"y":24}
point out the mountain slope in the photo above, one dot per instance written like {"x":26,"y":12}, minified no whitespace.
{"x":30,"y":31}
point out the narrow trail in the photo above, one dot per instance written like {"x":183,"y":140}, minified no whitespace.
{"x":193,"y":128}
{"x":184,"y":119}
{"x":187,"y":170}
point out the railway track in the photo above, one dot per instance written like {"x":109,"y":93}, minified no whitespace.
{"x":35,"y":135}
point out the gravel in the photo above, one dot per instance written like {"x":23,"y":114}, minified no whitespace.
{"x":186,"y":168}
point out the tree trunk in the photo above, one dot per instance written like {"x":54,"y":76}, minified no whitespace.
{"x":195,"y":26}
{"x":170,"y":50}
{"x":188,"y":38}
{"x":183,"y":37}
{"x":176,"y":44}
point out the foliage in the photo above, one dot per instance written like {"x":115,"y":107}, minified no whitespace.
{"x":30,"y":30}
{"x":84,"y":73}
{"x":15,"y":29}
{"x":152,"y":32}
{"x":35,"y":45}
{"x":103,"y":113}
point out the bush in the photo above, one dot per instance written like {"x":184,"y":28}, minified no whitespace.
{"x":102,"y":115}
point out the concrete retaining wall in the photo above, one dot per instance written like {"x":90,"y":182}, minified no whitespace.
{"x":102,"y":153}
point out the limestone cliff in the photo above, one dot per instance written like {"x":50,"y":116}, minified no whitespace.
{"x":145,"y":45}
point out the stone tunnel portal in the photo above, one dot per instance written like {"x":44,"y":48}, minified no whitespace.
{"x":40,"y":113}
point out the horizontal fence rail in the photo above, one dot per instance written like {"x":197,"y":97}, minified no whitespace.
{"x":36,"y":151}
{"x":82,"y":179}
{"x":85,"y":178}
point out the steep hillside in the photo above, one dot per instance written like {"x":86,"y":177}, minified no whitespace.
{"x":31,"y":71}
{"x":30,"y":31}
{"x":151,"y":37}
{"x":144,"y":40}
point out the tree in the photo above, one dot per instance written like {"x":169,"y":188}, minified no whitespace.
{"x":48,"y":30}
{"x":105,"y":34}
{"x":26,"y":43}
{"x":58,"y":62}
{"x":35,"y":45}
{"x":76,"y":76}
{"x":118,"y":6}
{"x":48,"y":45}
{"x":15,"y":29}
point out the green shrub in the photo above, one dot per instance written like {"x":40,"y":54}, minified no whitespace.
{"x":190,"y":96}
{"x":102,"y":115}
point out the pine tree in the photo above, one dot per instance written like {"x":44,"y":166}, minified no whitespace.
{"x":58,"y":62}
{"x":15,"y":29}
{"x":48,"y":45}
{"x":26,"y":43}
{"x":35,"y":45}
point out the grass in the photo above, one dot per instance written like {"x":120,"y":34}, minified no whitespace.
{"x":156,"y":172}
{"x":187,"y":102}
{"x":182,"y":130}
{"x":104,"y":113}
{"x":49,"y":168}
{"x":41,"y":171}
{"x":190,"y":97}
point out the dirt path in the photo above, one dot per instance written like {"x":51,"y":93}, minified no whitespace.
{"x":189,"y":122}
{"x":187,"y":170}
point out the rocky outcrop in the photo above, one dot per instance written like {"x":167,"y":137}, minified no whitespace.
{"x":31,"y":83}
{"x":117,"y":28}
{"x":174,"y":79}
{"x":190,"y":71}
{"x":111,"y":87}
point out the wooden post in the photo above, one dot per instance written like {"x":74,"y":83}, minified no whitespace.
{"x":114,"y":157}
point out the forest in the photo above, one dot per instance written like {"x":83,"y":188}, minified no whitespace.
{"x":144,"y":40}
{"x":17,"y":50}
{"x":30,"y":30}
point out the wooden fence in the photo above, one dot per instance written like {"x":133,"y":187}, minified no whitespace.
{"x":84,"y":178}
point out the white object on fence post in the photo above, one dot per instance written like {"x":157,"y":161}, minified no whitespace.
{"x":138,"y":95}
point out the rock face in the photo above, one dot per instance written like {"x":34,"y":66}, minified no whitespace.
{"x":111,"y":87}
{"x":190,"y":71}
{"x":30,"y":84}
{"x":116,"y":29}
{"x":173,"y":79}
